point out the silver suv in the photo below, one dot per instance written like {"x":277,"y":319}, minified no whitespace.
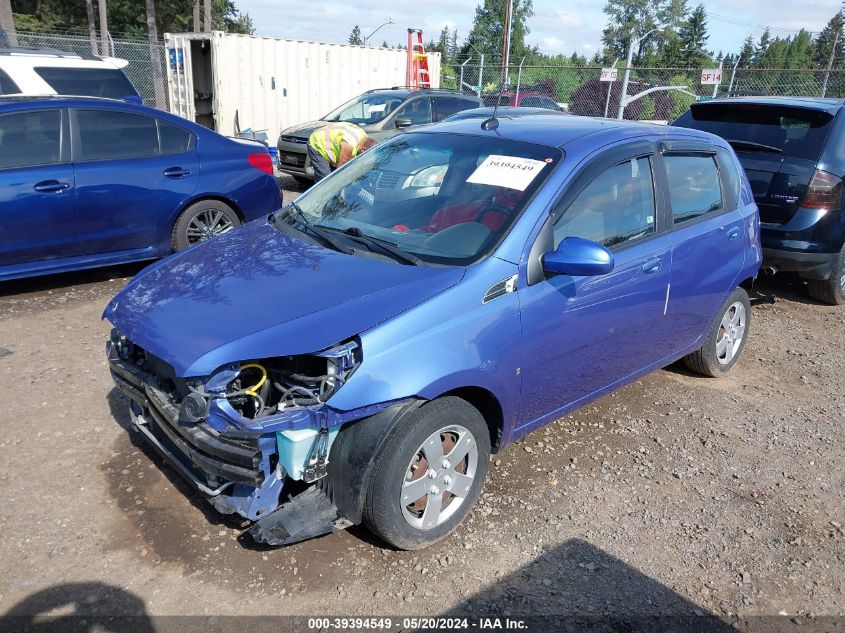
{"x":381,"y":113}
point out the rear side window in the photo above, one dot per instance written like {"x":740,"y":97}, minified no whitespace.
{"x":110,"y":83}
{"x":174,"y":139}
{"x":446,"y":106}
{"x":30,"y":138}
{"x":614,"y":209}
{"x":7,"y":86}
{"x":792,"y":132}
{"x":730,"y":169}
{"x":417,"y":111}
{"x":106,"y":134}
{"x":694,"y":188}
{"x":538,"y":102}
{"x":466,"y":104}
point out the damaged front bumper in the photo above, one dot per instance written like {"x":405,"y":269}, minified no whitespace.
{"x":241,"y":465}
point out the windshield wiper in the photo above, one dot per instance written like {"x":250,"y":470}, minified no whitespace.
{"x":324,"y":237}
{"x":755,"y":146}
{"x":391,"y":248}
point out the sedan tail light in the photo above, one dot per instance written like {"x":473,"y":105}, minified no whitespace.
{"x":261,"y":161}
{"x":824,"y":192}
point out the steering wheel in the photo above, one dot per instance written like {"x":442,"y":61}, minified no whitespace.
{"x":494,"y":208}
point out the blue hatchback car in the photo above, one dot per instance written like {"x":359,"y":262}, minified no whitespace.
{"x":88,"y":182}
{"x":361,"y":352}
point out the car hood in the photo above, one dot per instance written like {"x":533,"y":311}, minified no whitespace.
{"x":304,"y":130}
{"x":257,"y":292}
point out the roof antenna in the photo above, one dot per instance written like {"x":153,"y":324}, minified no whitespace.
{"x":492,"y":123}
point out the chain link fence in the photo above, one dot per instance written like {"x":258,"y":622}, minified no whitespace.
{"x":146,"y":68}
{"x":666,"y":93}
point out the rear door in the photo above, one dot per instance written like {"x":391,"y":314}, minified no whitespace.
{"x":133,"y":172}
{"x":708,"y":236}
{"x":37,"y":220}
{"x":778,"y":146}
{"x":445,"y":107}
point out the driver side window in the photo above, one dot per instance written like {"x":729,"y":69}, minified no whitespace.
{"x":617,"y":207}
{"x":418,"y":111}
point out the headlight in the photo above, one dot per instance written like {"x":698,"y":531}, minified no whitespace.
{"x":266,"y":386}
{"x":428,"y":177}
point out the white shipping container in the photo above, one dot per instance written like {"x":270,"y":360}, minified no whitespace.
{"x":231,"y":82}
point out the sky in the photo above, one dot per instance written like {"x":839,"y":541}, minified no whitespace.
{"x":558,"y":26}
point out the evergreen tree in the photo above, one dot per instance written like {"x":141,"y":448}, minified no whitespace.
{"x":486,"y":34}
{"x":355,"y":36}
{"x":762,"y":48}
{"x":746,"y":55}
{"x":693,"y":38}
{"x":831,"y":33}
{"x":637,"y":17}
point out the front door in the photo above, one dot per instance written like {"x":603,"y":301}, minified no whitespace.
{"x":132,"y":174}
{"x":37,"y":221}
{"x":582,"y":334}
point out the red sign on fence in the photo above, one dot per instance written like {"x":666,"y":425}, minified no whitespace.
{"x":608,"y":74}
{"x":711,"y":76}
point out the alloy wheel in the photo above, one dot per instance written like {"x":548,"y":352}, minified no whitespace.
{"x":206,"y":224}
{"x":731,"y":332}
{"x":439,"y":477}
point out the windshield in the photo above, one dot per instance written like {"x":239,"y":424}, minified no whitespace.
{"x":442,"y":198}
{"x":793,"y":132}
{"x":366,"y":109}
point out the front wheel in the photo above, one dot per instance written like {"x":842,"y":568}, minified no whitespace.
{"x":429,"y":474}
{"x":201,"y":221}
{"x":726,"y":338}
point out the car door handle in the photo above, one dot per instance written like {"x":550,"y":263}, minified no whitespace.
{"x":733,"y":233}
{"x":652,"y":265}
{"x":177,"y":172}
{"x":51,"y":186}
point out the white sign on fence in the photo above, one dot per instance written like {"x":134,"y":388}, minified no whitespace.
{"x":711,"y":76}
{"x":608,"y":74}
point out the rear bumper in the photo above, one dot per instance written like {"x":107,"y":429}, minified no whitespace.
{"x":808,"y":265}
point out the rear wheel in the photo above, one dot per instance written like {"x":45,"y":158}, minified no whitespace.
{"x":726,"y":338}
{"x":832,"y":290}
{"x":202,"y":221}
{"x":428,"y":474}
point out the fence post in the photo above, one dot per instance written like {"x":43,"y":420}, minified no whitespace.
{"x":461,"y":81}
{"x":519,"y":79}
{"x":480,"y":74}
{"x":733,"y":73}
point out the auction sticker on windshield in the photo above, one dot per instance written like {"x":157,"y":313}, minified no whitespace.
{"x":512,"y":172}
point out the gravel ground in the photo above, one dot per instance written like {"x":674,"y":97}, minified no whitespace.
{"x":678,"y":494}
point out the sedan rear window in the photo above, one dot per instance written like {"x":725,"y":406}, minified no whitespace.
{"x":109,"y":83}
{"x":793,"y":132}
{"x":7,"y":86}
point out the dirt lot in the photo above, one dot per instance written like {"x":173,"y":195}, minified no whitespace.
{"x":676,"y":495}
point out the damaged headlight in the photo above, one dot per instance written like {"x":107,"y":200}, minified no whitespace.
{"x":266,"y":386}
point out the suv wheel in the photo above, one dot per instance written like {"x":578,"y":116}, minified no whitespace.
{"x":832,"y":290}
{"x":202,"y":221}
{"x":726,"y":338}
{"x":429,"y":474}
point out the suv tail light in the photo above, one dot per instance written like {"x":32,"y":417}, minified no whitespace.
{"x":262,"y":161}
{"x":824,"y":192}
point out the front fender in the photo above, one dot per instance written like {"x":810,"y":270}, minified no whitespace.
{"x":451,"y":341}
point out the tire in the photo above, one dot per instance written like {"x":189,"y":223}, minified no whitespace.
{"x":731,"y":325}
{"x":441,"y":426}
{"x":192,"y":225}
{"x":830,"y":291}
{"x":304,"y":181}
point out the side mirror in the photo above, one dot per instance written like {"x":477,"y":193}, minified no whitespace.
{"x":404,"y":123}
{"x":580,"y":257}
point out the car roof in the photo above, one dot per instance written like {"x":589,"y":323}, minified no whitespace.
{"x":504,"y":112}
{"x":23,"y":57}
{"x":825,"y":104}
{"x":560,"y":131}
{"x":398,"y":91}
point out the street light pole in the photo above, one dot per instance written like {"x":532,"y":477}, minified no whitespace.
{"x":389,"y":21}
{"x":632,"y":42}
